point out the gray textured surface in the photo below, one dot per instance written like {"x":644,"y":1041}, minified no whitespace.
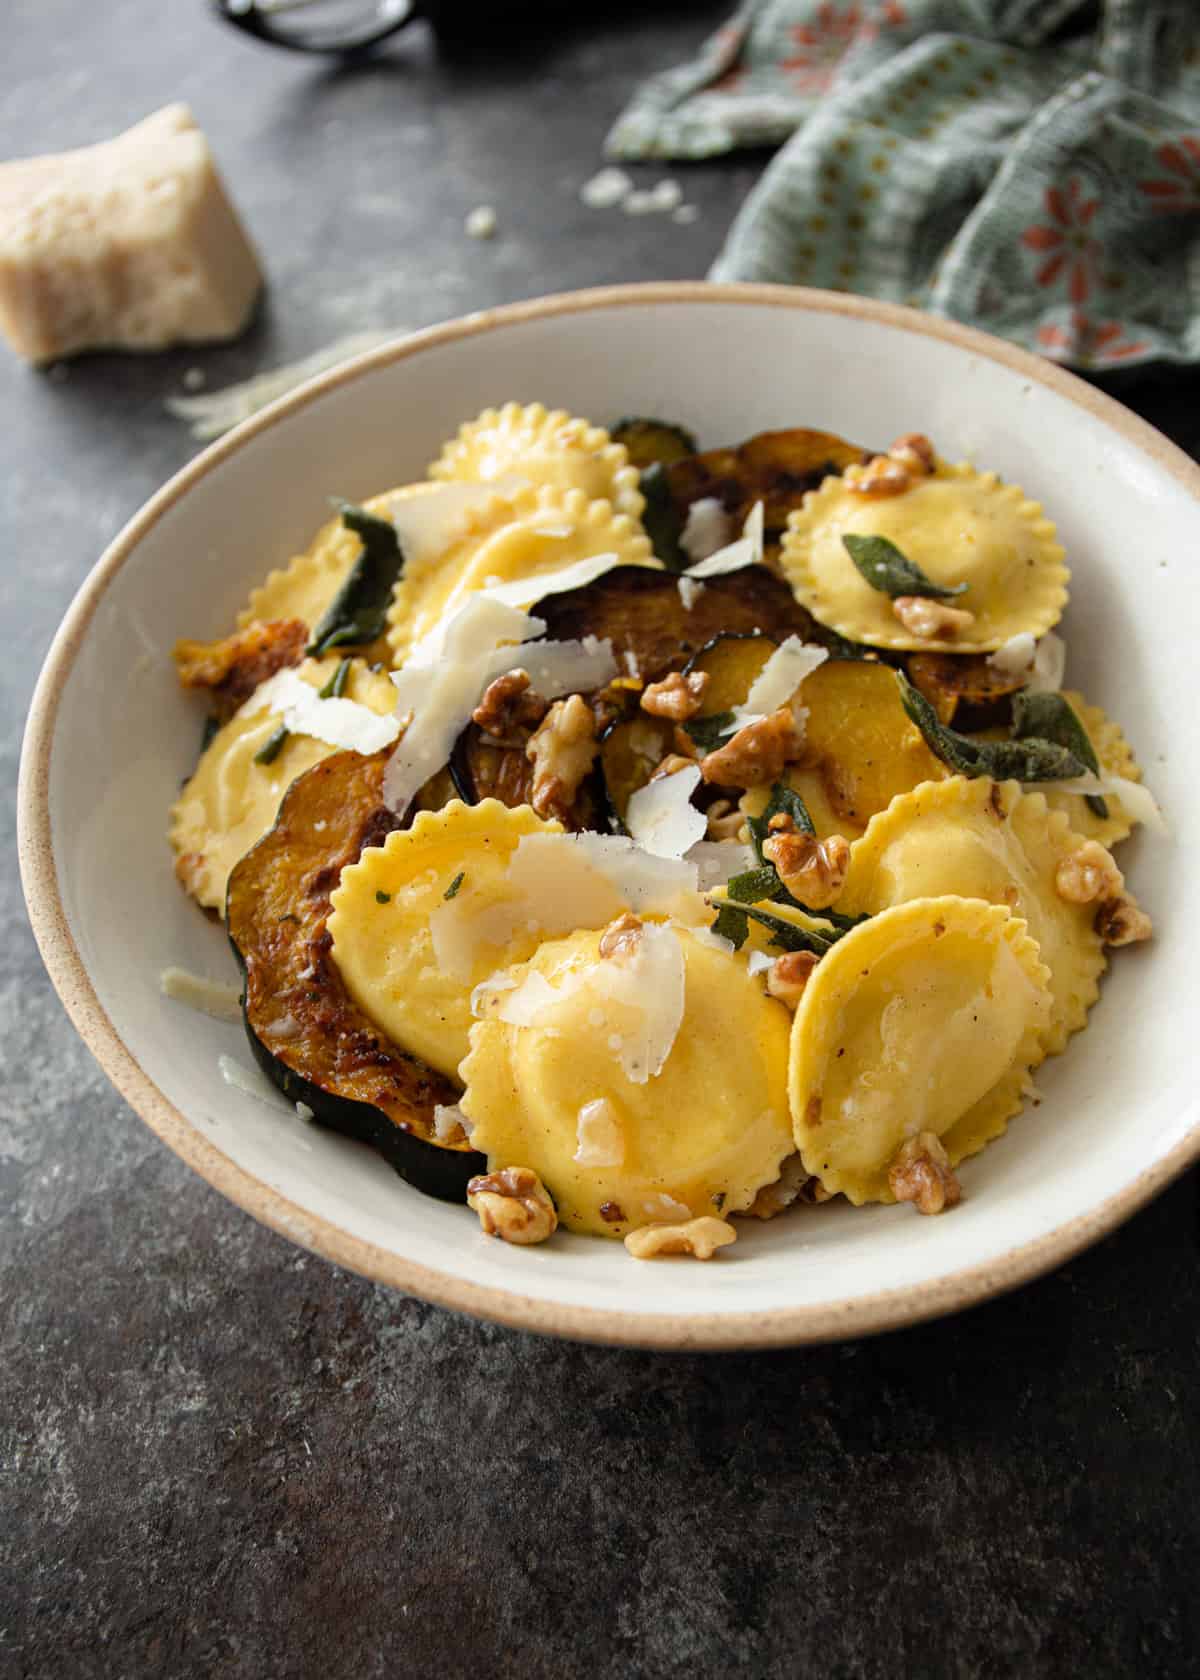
{"x":220,"y":1456}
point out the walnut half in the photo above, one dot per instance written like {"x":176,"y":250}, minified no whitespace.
{"x":812,"y":870}
{"x":561,"y":753}
{"x":1088,"y":873}
{"x":928,"y":619}
{"x":676,"y":697}
{"x":700,"y":1238}
{"x":513,"y":1204}
{"x":921,"y":1173}
{"x":757,"y":753}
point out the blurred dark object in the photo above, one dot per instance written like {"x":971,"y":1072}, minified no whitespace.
{"x":353,"y":26}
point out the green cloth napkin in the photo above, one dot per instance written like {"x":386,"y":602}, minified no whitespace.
{"x":1031,"y":167}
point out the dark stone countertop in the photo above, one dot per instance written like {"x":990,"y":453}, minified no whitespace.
{"x":221,"y":1456}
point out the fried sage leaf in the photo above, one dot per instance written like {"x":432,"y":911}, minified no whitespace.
{"x":661,"y":519}
{"x":1032,"y":759}
{"x":1050,"y":717}
{"x":731,"y":923}
{"x":358,"y":612}
{"x":709,"y":733}
{"x":272,"y":746}
{"x":890,"y":571}
{"x":336,"y":686}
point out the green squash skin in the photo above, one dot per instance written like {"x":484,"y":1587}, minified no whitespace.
{"x":437,"y":1172}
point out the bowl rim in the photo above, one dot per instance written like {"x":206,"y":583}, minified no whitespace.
{"x":856,"y":1316}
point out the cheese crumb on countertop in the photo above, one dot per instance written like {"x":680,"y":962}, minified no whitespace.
{"x":481,"y":223}
{"x":131,"y":244}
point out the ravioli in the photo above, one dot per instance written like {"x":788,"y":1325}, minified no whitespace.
{"x":929,"y":1017}
{"x":306,"y":586}
{"x":986,"y":840}
{"x":519,"y":536}
{"x":700,"y":1137}
{"x":1115,"y":756}
{"x":230,"y":801}
{"x":545,"y":447}
{"x":409,"y":954}
{"x":958,"y":526}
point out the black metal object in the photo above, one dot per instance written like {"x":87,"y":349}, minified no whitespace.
{"x":321,"y":26}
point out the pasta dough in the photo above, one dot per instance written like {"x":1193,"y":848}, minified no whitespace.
{"x":700,"y":1138}
{"x":986,"y":840}
{"x":520,"y":536}
{"x":546,"y":447}
{"x":230,"y":801}
{"x":926,"y":1018}
{"x":958,"y":526}
{"x":398,"y":941}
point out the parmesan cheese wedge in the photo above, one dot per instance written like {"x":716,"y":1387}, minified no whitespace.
{"x":131,"y":244}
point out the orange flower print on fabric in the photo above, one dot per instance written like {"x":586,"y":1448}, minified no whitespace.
{"x":1088,"y":341}
{"x":1179,"y":189}
{"x":1069,"y":249}
{"x":822,"y":44}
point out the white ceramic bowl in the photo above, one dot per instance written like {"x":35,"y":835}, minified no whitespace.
{"x":110,"y":736}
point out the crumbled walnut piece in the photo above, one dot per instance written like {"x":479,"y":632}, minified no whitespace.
{"x":757,"y":753}
{"x":509,"y":703}
{"x":725,"y":820}
{"x":684,"y":745}
{"x":620,"y":938}
{"x":671,"y":766}
{"x":698,"y":1237}
{"x":789,"y":974}
{"x":1088,"y":873}
{"x":676,"y":697}
{"x":881,"y":476}
{"x":561,"y":752}
{"x":915,"y":454}
{"x":921,"y":1173}
{"x":1120,"y":921}
{"x":233,"y":668}
{"x":929,"y":619}
{"x":812,"y":870}
{"x":787,"y":1189}
{"x":513,"y":1204}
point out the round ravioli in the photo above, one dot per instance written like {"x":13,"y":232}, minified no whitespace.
{"x":514,"y":538}
{"x":231,"y":799}
{"x":306,"y":586}
{"x":958,"y":526}
{"x":927,"y":1018}
{"x":701,"y":1136}
{"x":986,"y":840}
{"x":1115,"y":756}
{"x":411,"y":927}
{"x":546,"y":447}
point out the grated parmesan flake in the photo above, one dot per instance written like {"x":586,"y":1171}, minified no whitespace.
{"x":339,"y":723}
{"x":746,"y":551}
{"x":643,"y":992}
{"x":707,"y":529}
{"x":599,"y":1136}
{"x":779,"y":680}
{"x":428,"y":524}
{"x":606,"y":189}
{"x":661,"y":817}
{"x":690,"y":591}
{"x":1136,"y":797}
{"x":216,"y":998}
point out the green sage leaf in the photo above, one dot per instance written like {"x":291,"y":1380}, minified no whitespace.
{"x":731,"y":924}
{"x":1053,"y":718}
{"x":752,"y":886}
{"x":272,"y":746}
{"x":1033,"y":759}
{"x":452,"y":890}
{"x":336,"y":686}
{"x":661,"y":519}
{"x":358,"y":612}
{"x":890,"y":571}
{"x":709,"y":733}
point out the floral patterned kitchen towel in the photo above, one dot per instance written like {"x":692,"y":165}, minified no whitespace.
{"x":1031,"y":167}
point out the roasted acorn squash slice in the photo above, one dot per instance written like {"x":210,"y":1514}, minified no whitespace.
{"x":306,"y":1034}
{"x":644,"y":615}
